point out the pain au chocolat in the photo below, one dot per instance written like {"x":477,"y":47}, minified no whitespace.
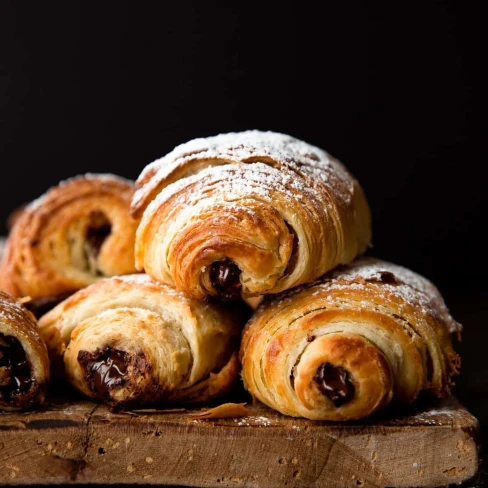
{"x":247,"y":214}
{"x":344,"y":347}
{"x":24,"y":361}
{"x":132,"y":340}
{"x":75,"y":234}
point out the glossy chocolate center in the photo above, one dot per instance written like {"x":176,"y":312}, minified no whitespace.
{"x":334,"y":383}
{"x":15,"y":370}
{"x":98,"y":229}
{"x":225,"y":278}
{"x":104,"y":369}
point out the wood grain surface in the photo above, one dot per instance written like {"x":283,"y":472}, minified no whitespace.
{"x":80,"y":442}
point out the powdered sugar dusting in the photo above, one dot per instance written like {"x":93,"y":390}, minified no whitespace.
{"x":254,"y":420}
{"x":444,"y":411}
{"x":233,"y":183}
{"x":372,"y":269}
{"x":307,"y":165}
{"x":241,"y":146}
{"x":401,"y":282}
{"x":135,"y":279}
{"x":442,"y":416}
{"x":142,"y":279}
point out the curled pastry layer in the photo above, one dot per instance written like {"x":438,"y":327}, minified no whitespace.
{"x":345,"y":346}
{"x":247,"y":214}
{"x":24,"y":361}
{"x":130,"y":339}
{"x":76,"y":233}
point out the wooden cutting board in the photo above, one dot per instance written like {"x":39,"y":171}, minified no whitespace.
{"x":82,"y":442}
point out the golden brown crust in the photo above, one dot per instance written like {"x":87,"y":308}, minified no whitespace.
{"x":150,"y":342}
{"x":385,"y":330}
{"x":212,"y":386}
{"x":277,"y":211}
{"x":75,"y":234}
{"x":24,"y":362}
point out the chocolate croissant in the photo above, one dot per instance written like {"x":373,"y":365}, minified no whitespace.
{"x":24,"y":362}
{"x":77,"y":233}
{"x":247,"y":214}
{"x":131,"y":340}
{"x":347,"y":345}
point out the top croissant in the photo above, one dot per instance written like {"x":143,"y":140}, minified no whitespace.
{"x":247,"y":213}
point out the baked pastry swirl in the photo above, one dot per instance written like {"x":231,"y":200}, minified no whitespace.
{"x":76,"y":233}
{"x":130,"y":339}
{"x":24,"y":362}
{"x":246,"y":214}
{"x":347,"y":345}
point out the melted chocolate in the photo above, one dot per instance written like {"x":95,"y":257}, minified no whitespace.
{"x":225,"y":277}
{"x":105,"y":369}
{"x":15,"y":378}
{"x":334,"y":383}
{"x":96,"y":233}
{"x":40,"y":306}
{"x":384,"y":277}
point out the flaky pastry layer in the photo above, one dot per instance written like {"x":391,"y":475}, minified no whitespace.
{"x":24,"y":361}
{"x":247,"y":214}
{"x":347,"y":345}
{"x":75,"y":234}
{"x":130,"y":339}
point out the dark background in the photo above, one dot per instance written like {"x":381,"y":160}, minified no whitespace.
{"x":389,"y":89}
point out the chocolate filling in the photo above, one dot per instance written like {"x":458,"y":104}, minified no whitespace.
{"x":334,"y":383}
{"x":15,"y":372}
{"x":98,"y":229}
{"x":294,"y":254}
{"x":40,"y":306}
{"x":384,"y":277}
{"x":105,"y":369}
{"x":225,"y":278}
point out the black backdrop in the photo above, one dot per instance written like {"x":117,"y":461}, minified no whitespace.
{"x":389,"y":89}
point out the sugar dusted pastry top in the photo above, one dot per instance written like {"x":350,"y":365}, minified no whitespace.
{"x":410,"y":287}
{"x":270,"y":148}
{"x":265,"y":207}
{"x":361,"y":337}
